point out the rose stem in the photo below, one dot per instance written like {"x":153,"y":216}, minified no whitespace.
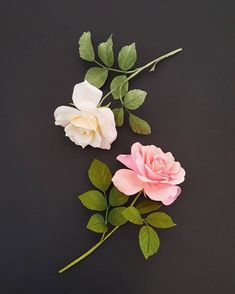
{"x":103,"y":238}
{"x":138,"y":70}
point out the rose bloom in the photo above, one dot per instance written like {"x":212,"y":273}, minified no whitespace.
{"x":151,"y":170}
{"x":87,"y":124}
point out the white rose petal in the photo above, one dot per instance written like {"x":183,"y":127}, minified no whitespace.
{"x":63,"y":115}
{"x":84,"y":93}
{"x":107,"y":123}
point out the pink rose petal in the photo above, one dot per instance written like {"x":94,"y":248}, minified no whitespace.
{"x":127,"y":161}
{"x":127,"y":182}
{"x":162,"y":192}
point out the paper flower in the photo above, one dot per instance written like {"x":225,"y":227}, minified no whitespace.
{"x":87,"y":124}
{"x":112,"y":209}
{"x":151,"y":170}
{"x":91,"y":124}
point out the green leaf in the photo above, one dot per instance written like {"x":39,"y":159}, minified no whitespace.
{"x":100,"y":175}
{"x":132,"y":215}
{"x":105,"y":52}
{"x":119,"y":116}
{"x":115,"y":216}
{"x":94,"y":200}
{"x":86,"y":50}
{"x":134,"y":99}
{"x":160,"y":220}
{"x":127,"y":57}
{"x":119,"y":87}
{"x":97,"y":224}
{"x":139,"y":125}
{"x":96,"y":76}
{"x":149,"y":241}
{"x":117,"y":198}
{"x":147,"y":206}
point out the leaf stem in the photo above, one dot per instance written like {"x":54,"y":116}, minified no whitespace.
{"x":138,"y":70}
{"x":103,"y":238}
{"x":114,"y":69}
{"x":106,"y":221}
{"x":136,"y":198}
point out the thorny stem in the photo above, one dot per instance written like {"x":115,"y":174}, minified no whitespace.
{"x":138,"y":70}
{"x":103,"y":238}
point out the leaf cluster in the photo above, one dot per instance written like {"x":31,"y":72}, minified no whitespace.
{"x":110,"y":209}
{"x":100,"y":176}
{"x":119,"y":87}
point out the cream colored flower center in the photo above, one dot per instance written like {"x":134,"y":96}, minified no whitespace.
{"x":84,"y":132}
{"x":86,"y":122}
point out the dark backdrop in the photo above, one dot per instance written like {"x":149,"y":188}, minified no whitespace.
{"x":190,"y":106}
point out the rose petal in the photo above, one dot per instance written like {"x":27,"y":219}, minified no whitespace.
{"x":107,"y":123}
{"x":148,"y":153}
{"x":84,"y":95}
{"x":140,"y":165}
{"x":70,"y":131}
{"x":63,"y":115}
{"x":150,"y":173}
{"x":96,"y":140}
{"x":127,"y":161}
{"x":82,"y":140}
{"x":178,"y":178}
{"x":85,"y":120}
{"x":136,"y":147}
{"x":73,"y":133}
{"x":175,"y":167}
{"x":105,"y":144}
{"x":162,"y":192}
{"x":127,"y":182}
{"x":136,"y":153}
{"x":143,"y":179}
{"x":171,"y":199}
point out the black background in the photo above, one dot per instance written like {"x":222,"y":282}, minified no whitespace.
{"x":190,"y":106}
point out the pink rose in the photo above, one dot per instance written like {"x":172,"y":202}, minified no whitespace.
{"x":151,"y":170}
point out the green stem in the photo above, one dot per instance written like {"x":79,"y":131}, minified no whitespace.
{"x":106,"y":216}
{"x":88,"y":252}
{"x":136,"y":198}
{"x":106,"y":221}
{"x":103,"y":238}
{"x":138,"y":70}
{"x":114,"y":69}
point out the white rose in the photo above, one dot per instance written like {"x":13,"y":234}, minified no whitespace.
{"x":87,"y":124}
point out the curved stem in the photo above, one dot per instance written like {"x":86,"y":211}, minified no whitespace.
{"x":138,"y":70}
{"x":89,"y":251}
{"x":103,"y":238}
